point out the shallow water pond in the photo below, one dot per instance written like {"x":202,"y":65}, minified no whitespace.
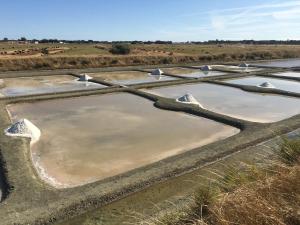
{"x":43,"y":84}
{"x":286,"y":85}
{"x":130,"y":77}
{"x":288,"y":74}
{"x":235,"y":68}
{"x":235,"y":102}
{"x":193,"y":73}
{"x":90,"y":138}
{"x":281,"y":63}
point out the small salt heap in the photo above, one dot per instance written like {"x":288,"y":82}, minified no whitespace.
{"x":84,"y":77}
{"x":244,"y":65}
{"x":188,"y":99}
{"x":266,"y":85}
{"x":205,"y":68}
{"x":157,"y":72}
{"x":24,"y":128}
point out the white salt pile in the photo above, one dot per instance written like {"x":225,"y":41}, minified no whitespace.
{"x":205,"y":68}
{"x":244,"y":65}
{"x":157,"y":72}
{"x":24,"y":128}
{"x":266,"y":85}
{"x":84,"y":77}
{"x":188,"y":99}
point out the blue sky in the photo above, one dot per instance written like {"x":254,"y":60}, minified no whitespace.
{"x":176,"y":20}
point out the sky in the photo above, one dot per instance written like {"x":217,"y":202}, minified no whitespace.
{"x":175,"y":20}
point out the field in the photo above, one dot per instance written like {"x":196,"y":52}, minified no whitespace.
{"x":16,"y":56}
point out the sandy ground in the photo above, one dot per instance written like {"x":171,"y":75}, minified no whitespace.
{"x":237,"y":103}
{"x":110,"y":135}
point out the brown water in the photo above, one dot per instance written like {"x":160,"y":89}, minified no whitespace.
{"x":43,"y":84}
{"x":90,"y":138}
{"x":292,"y":86}
{"x":236,"y":103}
{"x":130,"y":77}
{"x":288,"y":74}
{"x":194,"y":73}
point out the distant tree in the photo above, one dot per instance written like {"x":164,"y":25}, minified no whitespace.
{"x":120,"y":49}
{"x":5,"y":39}
{"x":23,"y":39}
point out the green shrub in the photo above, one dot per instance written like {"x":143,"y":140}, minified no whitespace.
{"x":290,"y":151}
{"x":120,"y":49}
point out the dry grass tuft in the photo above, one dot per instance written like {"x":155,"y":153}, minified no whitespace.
{"x":248,"y":195}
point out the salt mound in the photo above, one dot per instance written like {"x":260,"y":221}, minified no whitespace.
{"x":157,"y":72}
{"x":266,"y":85}
{"x":205,"y":68}
{"x":24,"y":128}
{"x":244,"y":65}
{"x":188,"y":99}
{"x":84,"y":77}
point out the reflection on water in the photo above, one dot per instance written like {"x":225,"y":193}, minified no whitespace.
{"x":130,"y":77}
{"x":237,"y":103}
{"x":278,"y":83}
{"x":43,"y":84}
{"x":90,"y":138}
{"x":281,"y":63}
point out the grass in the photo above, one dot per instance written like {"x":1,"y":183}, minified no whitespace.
{"x":247,"y":195}
{"x":92,"y":55}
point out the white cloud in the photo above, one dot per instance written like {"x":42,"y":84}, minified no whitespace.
{"x":276,"y":20}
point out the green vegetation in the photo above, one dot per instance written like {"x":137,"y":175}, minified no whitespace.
{"x":248,"y":196}
{"x":120,"y":49}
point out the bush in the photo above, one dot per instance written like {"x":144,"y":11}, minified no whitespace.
{"x":120,"y":49}
{"x":44,"y":51}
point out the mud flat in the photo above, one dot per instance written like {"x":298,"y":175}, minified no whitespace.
{"x":278,"y":83}
{"x":43,"y":84}
{"x":193,"y":73}
{"x":130,"y":77}
{"x":91,"y":138}
{"x":236,"y":103}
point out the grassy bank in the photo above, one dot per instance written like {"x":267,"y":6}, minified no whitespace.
{"x":20,"y":57}
{"x":249,"y":195}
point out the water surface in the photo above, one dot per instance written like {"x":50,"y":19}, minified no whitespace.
{"x":235,"y":102}
{"x":90,"y":138}
{"x":288,"y":74}
{"x":43,"y":84}
{"x":193,"y":73}
{"x":286,"y":85}
{"x":130,"y":77}
{"x":281,"y":63}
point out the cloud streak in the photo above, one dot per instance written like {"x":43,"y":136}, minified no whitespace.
{"x":275,"y":20}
